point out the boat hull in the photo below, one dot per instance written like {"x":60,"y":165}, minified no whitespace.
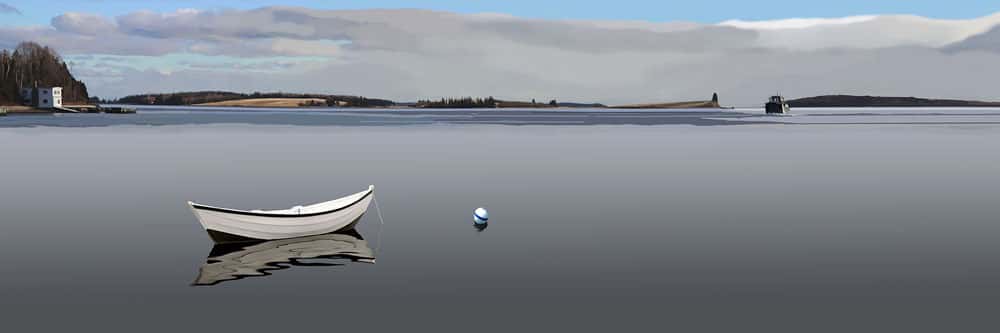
{"x":226,"y":225}
{"x":776,"y":108}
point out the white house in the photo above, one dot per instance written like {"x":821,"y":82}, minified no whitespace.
{"x":50,"y":97}
{"x":42,"y":97}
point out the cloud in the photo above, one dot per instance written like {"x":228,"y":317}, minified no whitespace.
{"x":80,"y":43}
{"x":797,"y":23}
{"x":867,"y":32}
{"x":8,"y":9}
{"x":291,"y":31}
{"x":253,"y":24}
{"x":267,"y":47}
{"x":83,"y":24}
{"x":411,"y":54}
{"x":986,"y":41}
{"x":588,"y":38}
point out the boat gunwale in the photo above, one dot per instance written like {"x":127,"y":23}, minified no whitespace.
{"x":248,"y":213}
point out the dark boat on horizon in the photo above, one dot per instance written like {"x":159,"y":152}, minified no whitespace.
{"x":777,"y":105}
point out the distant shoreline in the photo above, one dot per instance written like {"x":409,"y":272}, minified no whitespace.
{"x":853,"y":101}
{"x":675,"y":105}
{"x":290,"y":100}
{"x":269,"y":103}
{"x":297,"y":101}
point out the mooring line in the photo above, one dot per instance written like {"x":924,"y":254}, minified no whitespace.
{"x":379,"y":210}
{"x":380,"y":226}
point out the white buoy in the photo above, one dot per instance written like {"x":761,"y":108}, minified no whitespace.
{"x":480,"y":216}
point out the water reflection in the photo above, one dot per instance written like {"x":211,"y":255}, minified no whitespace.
{"x":236,"y":261}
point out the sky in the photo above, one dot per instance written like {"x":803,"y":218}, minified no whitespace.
{"x":611,"y":52}
{"x":704,"y":11}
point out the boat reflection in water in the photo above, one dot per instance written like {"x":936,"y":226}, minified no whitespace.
{"x":234,"y":261}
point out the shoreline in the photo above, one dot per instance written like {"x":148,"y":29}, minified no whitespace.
{"x":69,"y":108}
{"x":20,"y":109}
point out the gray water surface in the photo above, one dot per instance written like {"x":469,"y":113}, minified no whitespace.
{"x":827,"y":221}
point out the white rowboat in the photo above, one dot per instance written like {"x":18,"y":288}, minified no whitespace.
{"x":230,"y":225}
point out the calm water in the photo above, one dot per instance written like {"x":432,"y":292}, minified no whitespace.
{"x":853,"y":220}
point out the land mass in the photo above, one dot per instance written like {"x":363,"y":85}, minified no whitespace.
{"x":832,"y":101}
{"x":290,"y":100}
{"x":33,"y":65}
{"x":225,"y":98}
{"x":676,"y":105}
{"x":269,"y":102}
{"x":709,"y":104}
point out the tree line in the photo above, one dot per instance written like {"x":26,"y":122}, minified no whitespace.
{"x":200,"y":97}
{"x":481,"y":102}
{"x":459,"y":103}
{"x":34,"y":65}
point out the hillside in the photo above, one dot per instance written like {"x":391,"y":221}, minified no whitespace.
{"x":181,"y":98}
{"x":269,"y":102}
{"x":830,"y":101}
{"x":31,"y":64}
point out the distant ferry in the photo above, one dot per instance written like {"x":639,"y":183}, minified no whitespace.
{"x":777,"y":105}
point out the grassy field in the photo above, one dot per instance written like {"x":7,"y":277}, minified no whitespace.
{"x":23,"y":109}
{"x":270,"y":102}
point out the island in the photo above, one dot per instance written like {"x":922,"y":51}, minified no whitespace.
{"x":31,"y":70}
{"x":845,"y":101}
{"x":709,"y":104}
{"x":256,"y":99}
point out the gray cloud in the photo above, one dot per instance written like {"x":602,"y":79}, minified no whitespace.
{"x":8,"y":9}
{"x":987,"y":41}
{"x":83,"y":24}
{"x":582,"y":37}
{"x":253,"y":24}
{"x":79,"y":43}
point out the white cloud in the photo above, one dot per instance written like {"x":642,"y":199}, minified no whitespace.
{"x":797,"y":23}
{"x":868,"y":32}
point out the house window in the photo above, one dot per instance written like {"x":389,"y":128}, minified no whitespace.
{"x":45,"y":101}
{"x":45,"y":91}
